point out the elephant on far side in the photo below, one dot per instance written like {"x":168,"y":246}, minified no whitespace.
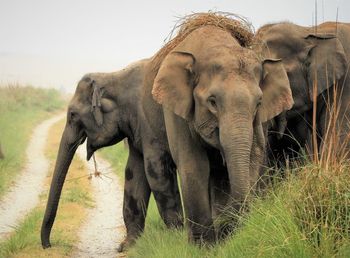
{"x":317,"y":61}
{"x":106,"y":109}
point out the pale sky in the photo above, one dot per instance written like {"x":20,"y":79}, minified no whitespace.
{"x":49,"y":43}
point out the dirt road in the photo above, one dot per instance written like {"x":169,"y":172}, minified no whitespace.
{"x":104,"y":230}
{"x":24,"y":195}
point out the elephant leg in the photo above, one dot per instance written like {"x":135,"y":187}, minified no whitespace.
{"x":220,"y":199}
{"x":136,"y":197}
{"x":162,"y":178}
{"x":193,"y":166}
{"x":219,"y":185}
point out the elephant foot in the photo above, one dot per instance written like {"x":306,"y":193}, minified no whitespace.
{"x":126,"y":244}
{"x":202,"y":239}
{"x":45,"y":246}
{"x":225,"y":231}
{"x":174,"y":223}
{"x":172,"y":218}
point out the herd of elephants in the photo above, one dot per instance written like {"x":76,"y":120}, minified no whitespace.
{"x":215,"y":105}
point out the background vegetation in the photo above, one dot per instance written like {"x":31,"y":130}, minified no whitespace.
{"x":21,"y":108}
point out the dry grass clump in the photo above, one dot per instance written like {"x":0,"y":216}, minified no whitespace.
{"x":238,"y":26}
{"x":322,"y":203}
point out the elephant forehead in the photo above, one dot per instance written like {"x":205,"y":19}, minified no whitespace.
{"x":237,"y":62}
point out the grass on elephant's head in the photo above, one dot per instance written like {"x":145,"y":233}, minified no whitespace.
{"x":21,"y":108}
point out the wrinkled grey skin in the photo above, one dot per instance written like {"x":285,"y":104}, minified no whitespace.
{"x":106,"y":109}
{"x":311,"y":56}
{"x":215,"y":95}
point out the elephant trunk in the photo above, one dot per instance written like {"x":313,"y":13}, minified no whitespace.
{"x":70,"y":141}
{"x":236,"y":136}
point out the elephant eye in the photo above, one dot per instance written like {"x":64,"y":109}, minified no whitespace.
{"x":212,"y":102}
{"x":72,"y":117}
{"x":259,"y":103}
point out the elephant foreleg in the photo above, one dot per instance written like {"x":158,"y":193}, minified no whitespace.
{"x":136,"y":197}
{"x":193,"y":166}
{"x":161,"y":175}
{"x":220,"y":200}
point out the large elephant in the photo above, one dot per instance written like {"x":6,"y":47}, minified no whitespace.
{"x":317,"y":63}
{"x":105,"y":109}
{"x":215,"y":95}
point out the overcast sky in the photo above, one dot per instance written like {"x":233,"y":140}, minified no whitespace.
{"x":50,"y":43}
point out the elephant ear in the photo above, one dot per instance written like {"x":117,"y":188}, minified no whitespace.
{"x":277,"y":95}
{"x":326,"y":62}
{"x":173,"y":85}
{"x":97,"y":92}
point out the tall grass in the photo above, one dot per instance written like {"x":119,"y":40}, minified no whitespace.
{"x":21,"y":108}
{"x":321,"y":205}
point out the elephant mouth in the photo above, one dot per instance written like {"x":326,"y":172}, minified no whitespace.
{"x":90,"y":149}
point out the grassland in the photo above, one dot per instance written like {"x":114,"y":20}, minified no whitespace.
{"x":307,"y":214}
{"x":21,"y":108}
{"x":75,"y":200}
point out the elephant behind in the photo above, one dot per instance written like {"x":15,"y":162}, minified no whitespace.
{"x":104,"y":110}
{"x":317,"y":63}
{"x":215,"y":94}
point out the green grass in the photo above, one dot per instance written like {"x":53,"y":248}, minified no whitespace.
{"x":21,"y":108}
{"x":305,"y":215}
{"x":78,"y":195}
{"x":300,"y":217}
{"x":27,"y":234}
{"x":117,"y":155}
{"x":26,"y":238}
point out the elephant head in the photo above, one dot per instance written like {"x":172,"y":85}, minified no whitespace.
{"x":96,"y":113}
{"x":315,"y":61}
{"x":311,"y":57}
{"x":225,"y":93}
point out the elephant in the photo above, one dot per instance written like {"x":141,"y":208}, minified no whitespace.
{"x":216,"y":96}
{"x":105,"y":109}
{"x":316,"y":60}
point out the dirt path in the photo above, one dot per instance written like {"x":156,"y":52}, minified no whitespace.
{"x":24,"y":195}
{"x":104,"y":229}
